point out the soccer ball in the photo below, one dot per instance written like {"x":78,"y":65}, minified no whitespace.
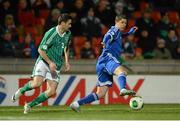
{"x":136,"y":103}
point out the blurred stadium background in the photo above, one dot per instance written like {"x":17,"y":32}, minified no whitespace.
{"x":151,"y":56}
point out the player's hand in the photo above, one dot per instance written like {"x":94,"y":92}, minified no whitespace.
{"x":67,"y":66}
{"x":52,"y":67}
{"x":133,"y":30}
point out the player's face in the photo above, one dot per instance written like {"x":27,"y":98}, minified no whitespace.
{"x":67,"y":25}
{"x":122,"y":24}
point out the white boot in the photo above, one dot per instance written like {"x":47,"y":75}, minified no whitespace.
{"x":16,"y":95}
{"x":75,"y":106}
{"x":127,"y":92}
{"x":27,"y":108}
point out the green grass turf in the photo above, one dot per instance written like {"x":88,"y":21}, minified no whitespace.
{"x":94,"y":112}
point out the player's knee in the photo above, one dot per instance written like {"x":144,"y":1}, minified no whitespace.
{"x":101,"y":94}
{"x":37,"y":81}
{"x":123,"y":74}
{"x":35,"y":84}
{"x":51,"y":92}
{"x":120,"y":70}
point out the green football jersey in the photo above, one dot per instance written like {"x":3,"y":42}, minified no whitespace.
{"x":53,"y":43}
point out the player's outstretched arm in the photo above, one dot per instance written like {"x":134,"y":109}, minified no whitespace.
{"x":131,"y":31}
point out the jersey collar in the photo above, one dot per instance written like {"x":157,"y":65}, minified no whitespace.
{"x":115,"y":28}
{"x":57,"y":30}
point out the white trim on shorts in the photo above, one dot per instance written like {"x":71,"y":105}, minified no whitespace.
{"x":109,"y":83}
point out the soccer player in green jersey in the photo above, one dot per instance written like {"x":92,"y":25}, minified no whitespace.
{"x":48,"y":65}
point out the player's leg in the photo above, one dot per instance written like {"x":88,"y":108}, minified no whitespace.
{"x":39,"y":72}
{"x":121,"y":73}
{"x":114,"y":67}
{"x":52,"y":83}
{"x":51,"y":90}
{"x":104,"y":81}
{"x":36,"y":82}
{"x":100,"y":93}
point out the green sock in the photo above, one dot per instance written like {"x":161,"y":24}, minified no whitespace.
{"x":41,"y":98}
{"x":26,"y":87}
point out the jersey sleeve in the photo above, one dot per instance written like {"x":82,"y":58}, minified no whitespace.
{"x":107,"y":38}
{"x":69,"y":39}
{"x":125,"y":34}
{"x":110,"y":36}
{"x":46,"y":41}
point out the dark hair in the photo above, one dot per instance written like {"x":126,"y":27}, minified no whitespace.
{"x":63,"y":18}
{"x":119,"y":17}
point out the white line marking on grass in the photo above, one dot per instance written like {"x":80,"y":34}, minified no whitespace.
{"x":89,"y":109}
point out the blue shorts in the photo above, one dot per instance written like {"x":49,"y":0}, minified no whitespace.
{"x":105,"y":69}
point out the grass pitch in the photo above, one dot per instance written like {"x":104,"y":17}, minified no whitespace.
{"x":94,"y":112}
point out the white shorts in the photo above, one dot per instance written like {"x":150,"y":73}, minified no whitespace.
{"x":42,"y":69}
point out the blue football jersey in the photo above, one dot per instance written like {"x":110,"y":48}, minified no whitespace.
{"x":113,"y":42}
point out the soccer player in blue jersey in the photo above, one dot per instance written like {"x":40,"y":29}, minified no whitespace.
{"x":108,"y":64}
